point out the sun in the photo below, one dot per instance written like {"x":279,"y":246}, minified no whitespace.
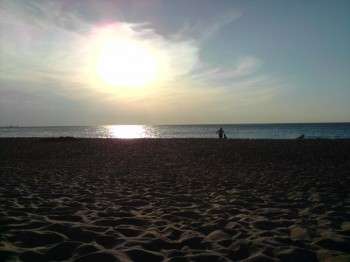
{"x":121,"y":61}
{"x":124,"y":62}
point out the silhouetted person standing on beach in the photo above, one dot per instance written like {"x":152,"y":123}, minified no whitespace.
{"x":220,"y":132}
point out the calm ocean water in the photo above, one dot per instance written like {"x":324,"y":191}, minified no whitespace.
{"x":259,"y":131}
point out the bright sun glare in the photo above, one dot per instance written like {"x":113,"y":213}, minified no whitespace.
{"x":122,"y":61}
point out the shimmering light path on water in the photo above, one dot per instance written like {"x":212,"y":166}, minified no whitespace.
{"x":251,"y":131}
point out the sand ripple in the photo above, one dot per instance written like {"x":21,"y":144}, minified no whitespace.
{"x":174,"y":200}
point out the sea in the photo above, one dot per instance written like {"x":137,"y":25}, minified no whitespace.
{"x":232,"y":131}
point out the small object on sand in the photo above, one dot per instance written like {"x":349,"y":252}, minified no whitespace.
{"x":301,"y":137}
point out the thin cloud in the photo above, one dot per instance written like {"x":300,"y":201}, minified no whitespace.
{"x":206,"y":29}
{"x":245,"y":67}
{"x":45,"y":49}
{"x":46,"y":42}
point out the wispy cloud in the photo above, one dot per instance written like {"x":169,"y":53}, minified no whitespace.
{"x":206,"y":29}
{"x":45,"y":49}
{"x":241,"y":82}
{"x":244,"y":67}
{"x":43,"y":41}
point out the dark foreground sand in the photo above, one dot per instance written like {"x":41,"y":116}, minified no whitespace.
{"x":174,"y":200}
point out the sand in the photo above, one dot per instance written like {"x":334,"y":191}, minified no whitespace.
{"x":174,"y":200}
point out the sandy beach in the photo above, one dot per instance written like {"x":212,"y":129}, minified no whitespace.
{"x":174,"y":200}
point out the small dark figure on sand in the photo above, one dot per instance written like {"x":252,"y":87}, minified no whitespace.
{"x":221,"y":133}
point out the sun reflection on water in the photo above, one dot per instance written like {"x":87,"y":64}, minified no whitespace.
{"x":127,"y":131}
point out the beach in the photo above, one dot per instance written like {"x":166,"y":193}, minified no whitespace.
{"x":67,"y":199}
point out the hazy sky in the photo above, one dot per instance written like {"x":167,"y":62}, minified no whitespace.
{"x":197,"y":61}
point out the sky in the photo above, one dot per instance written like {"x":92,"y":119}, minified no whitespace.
{"x":99,"y":62}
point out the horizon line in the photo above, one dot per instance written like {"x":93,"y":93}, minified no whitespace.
{"x":184,"y":124}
